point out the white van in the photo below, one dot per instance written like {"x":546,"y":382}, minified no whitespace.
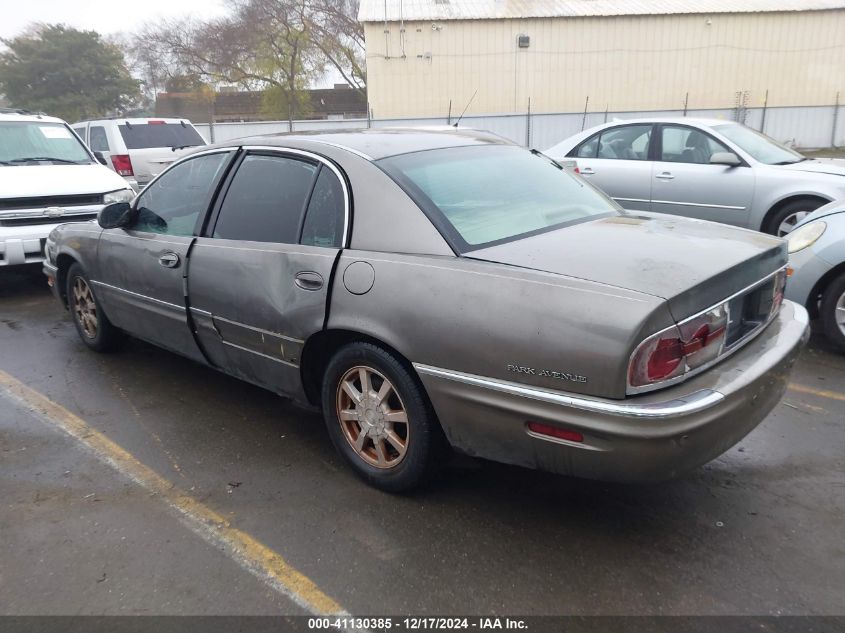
{"x":47,"y":177}
{"x":136,"y":148}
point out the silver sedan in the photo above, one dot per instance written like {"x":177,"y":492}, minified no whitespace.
{"x":817,"y":262}
{"x":704,"y":168}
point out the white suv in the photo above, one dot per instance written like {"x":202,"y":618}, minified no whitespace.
{"x":138,"y":149}
{"x":47,"y":177}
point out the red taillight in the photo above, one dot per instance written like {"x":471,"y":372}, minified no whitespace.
{"x":554,"y":431}
{"x":122,"y":164}
{"x":665,"y":358}
{"x":679,"y":349}
{"x":577,"y":170}
{"x":156,"y":122}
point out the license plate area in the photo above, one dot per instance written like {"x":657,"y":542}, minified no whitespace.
{"x":749,"y":312}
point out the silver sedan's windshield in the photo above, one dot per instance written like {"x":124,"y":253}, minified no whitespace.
{"x":34,"y":142}
{"x":760,"y":146}
{"x":478,"y":196}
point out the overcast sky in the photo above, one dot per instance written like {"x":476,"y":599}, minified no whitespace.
{"x":110,"y":16}
{"x":104,"y":16}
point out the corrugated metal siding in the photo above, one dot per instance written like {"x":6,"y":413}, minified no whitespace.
{"x":621,"y":63}
{"x":808,"y":127}
{"x":379,"y":10}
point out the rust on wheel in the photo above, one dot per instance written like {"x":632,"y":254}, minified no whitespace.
{"x":372,"y":417}
{"x":84,"y":307}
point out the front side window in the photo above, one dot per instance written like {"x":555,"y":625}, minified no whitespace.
{"x":266,"y":200}
{"x":479,"y":196}
{"x":37,"y":143}
{"x":760,"y":146}
{"x":629,"y":142}
{"x":681,"y":144}
{"x":173,"y":203}
{"x":98,"y":141}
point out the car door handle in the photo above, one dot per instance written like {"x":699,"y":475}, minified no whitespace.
{"x":169,"y":260}
{"x":587,"y":171}
{"x":308,"y":280}
{"x":664,"y":176}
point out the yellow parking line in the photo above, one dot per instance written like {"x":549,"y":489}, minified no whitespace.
{"x":822,"y":393}
{"x":247,"y":551}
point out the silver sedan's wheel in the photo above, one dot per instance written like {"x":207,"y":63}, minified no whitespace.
{"x":84,"y":307}
{"x":789,"y":222}
{"x":372,"y":417}
{"x":839,"y":314}
{"x":832,"y":312}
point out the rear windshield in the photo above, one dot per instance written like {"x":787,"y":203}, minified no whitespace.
{"x":481,"y":196}
{"x":144,"y":135}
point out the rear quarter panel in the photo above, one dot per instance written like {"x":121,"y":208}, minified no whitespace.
{"x":490,"y":320}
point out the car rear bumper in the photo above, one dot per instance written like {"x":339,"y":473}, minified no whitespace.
{"x":642,"y":438}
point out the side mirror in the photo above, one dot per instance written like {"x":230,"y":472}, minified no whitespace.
{"x":115,"y":215}
{"x":725,"y":158}
{"x":100,"y":158}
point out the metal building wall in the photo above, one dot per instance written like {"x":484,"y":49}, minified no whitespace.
{"x":620,"y":63}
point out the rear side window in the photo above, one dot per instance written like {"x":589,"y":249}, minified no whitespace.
{"x":266,"y":200}
{"x":145,"y":135}
{"x":325,"y":217}
{"x":98,"y":141}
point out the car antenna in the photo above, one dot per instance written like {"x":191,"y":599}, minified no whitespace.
{"x":465,"y":109}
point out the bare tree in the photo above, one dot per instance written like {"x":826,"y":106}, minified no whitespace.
{"x":278,"y":46}
{"x":340,"y":38}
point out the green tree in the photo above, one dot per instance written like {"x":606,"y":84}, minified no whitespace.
{"x":67,"y":73}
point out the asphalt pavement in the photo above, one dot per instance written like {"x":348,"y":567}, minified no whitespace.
{"x":140,"y":482}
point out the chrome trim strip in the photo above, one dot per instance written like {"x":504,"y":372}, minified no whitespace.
{"x":737,"y":345}
{"x":699,"y":204}
{"x":139,"y":296}
{"x":324,"y":161}
{"x":345,"y":147}
{"x":697,"y":401}
{"x":632,"y":200}
{"x":558,"y":440}
{"x":41,"y":212}
{"x":253,"y":328}
{"x":252,"y":351}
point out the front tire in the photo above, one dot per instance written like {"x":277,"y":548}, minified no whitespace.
{"x":379,"y":419}
{"x":832,"y":312}
{"x":92,"y":324}
{"x":784,"y":220}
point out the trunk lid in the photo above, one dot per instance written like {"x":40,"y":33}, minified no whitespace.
{"x":692,"y":264}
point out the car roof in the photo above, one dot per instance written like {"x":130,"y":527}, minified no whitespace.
{"x":9,"y":114}
{"x":377,"y":143}
{"x":134,"y":120}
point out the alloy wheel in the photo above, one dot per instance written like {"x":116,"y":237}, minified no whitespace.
{"x":790,"y":221}
{"x":84,"y":307}
{"x":372,"y":417}
{"x":839,"y":313}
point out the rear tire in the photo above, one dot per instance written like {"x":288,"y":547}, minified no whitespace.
{"x":92,"y":324}
{"x":832,"y":312}
{"x":784,"y":219}
{"x":379,"y":418}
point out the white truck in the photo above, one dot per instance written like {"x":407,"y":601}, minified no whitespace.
{"x":47,"y":177}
